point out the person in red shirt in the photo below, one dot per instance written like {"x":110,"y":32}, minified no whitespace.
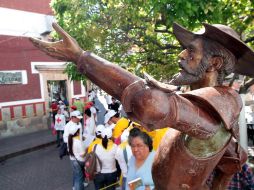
{"x":54,"y":108}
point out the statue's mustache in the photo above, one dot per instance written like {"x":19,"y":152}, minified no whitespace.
{"x":183,"y":64}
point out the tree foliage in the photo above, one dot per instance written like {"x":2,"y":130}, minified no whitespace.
{"x":73,"y":74}
{"x":137,"y":34}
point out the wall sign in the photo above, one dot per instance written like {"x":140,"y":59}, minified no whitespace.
{"x":13,"y":77}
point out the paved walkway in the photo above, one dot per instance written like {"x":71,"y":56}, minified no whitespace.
{"x":38,"y":170}
{"x":14,"y":146}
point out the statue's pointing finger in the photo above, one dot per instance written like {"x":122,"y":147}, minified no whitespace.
{"x":66,"y":49}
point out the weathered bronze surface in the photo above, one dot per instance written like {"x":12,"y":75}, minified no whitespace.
{"x":204,"y":128}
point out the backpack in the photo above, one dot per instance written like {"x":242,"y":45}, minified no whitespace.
{"x":90,"y":166}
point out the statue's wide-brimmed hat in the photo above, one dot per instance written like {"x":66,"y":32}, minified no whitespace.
{"x":227,"y":37}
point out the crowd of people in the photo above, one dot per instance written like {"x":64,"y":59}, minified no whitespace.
{"x":125,"y":150}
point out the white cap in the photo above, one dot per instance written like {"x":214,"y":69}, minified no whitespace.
{"x":112,"y":125}
{"x":125,"y":135}
{"x":107,"y":132}
{"x":73,"y":129}
{"x":108,"y":115}
{"x":99,"y":129}
{"x":53,"y":100}
{"x":76,"y":114}
{"x":77,"y":98}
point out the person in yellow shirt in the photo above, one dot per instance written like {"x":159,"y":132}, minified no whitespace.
{"x":120,"y":124}
{"x":107,"y":173}
{"x":159,"y":134}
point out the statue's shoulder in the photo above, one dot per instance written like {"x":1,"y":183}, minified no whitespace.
{"x":223,"y":100}
{"x":217,"y":90}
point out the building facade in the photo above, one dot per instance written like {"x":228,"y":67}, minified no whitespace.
{"x":29,"y":79}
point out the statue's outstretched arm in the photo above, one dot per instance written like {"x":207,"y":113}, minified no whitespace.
{"x":110,"y":77}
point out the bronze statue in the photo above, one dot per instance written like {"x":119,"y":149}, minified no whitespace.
{"x":204,"y":122}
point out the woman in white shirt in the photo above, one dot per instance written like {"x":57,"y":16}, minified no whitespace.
{"x":77,"y":151}
{"x":106,"y":150}
{"x":89,"y":123}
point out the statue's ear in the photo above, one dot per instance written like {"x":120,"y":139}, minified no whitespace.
{"x":215,"y":63}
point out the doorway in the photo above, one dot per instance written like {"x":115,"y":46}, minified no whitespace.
{"x":57,"y":89}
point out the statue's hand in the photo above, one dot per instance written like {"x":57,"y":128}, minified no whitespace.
{"x":66,"y":49}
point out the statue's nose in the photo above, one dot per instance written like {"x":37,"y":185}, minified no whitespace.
{"x":183,"y":55}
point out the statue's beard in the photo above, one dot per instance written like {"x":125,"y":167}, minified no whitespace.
{"x":183,"y":78}
{"x":188,"y":76}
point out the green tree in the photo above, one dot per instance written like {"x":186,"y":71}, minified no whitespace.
{"x":137,"y":34}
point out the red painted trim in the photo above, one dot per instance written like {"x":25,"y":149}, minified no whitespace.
{"x":23,"y":106}
{"x":12,"y":111}
{"x":23,"y":110}
{"x":1,"y":115}
{"x":34,"y":107}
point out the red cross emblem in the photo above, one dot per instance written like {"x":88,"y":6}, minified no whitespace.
{"x":58,"y":120}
